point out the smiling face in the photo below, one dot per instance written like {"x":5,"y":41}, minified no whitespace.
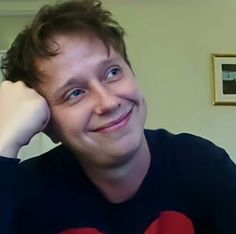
{"x":97,"y":109}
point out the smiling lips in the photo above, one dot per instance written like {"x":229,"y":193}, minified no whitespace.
{"x":116,"y":124}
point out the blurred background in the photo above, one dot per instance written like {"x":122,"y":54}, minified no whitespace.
{"x":170,"y":43}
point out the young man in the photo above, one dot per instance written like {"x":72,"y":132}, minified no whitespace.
{"x":69,"y":76}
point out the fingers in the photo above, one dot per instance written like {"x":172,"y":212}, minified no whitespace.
{"x":24,"y":113}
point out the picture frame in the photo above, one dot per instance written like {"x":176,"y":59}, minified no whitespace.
{"x":1,"y":54}
{"x":224,"y":79}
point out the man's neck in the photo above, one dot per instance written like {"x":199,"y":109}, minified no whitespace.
{"x":120,"y":183}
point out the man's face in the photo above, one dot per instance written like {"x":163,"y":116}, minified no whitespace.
{"x":96,"y":107}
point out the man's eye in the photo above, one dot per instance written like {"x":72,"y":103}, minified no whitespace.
{"x":114,"y":73}
{"x":75,"y":93}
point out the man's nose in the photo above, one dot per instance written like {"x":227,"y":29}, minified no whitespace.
{"x":105,"y":100}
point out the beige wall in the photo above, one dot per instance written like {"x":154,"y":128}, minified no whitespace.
{"x":170,"y":43}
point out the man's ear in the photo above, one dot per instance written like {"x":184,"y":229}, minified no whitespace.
{"x":51,"y":133}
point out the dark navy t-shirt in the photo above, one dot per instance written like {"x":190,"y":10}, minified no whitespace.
{"x":190,"y":188}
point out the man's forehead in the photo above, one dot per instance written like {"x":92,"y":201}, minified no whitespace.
{"x":61,"y":43}
{"x":58,"y":41}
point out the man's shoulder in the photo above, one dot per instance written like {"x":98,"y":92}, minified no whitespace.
{"x":193,"y":160}
{"x":184,"y":146}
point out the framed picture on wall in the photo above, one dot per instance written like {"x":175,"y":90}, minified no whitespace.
{"x":224,"y":79}
{"x":1,"y":76}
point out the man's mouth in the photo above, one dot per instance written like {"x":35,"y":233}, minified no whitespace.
{"x":115,"y":124}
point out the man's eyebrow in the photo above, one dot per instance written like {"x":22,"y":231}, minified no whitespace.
{"x":107,"y":62}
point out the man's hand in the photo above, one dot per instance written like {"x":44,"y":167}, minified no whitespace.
{"x":23,"y":113}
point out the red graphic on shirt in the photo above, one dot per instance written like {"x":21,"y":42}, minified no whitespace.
{"x":169,"y":222}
